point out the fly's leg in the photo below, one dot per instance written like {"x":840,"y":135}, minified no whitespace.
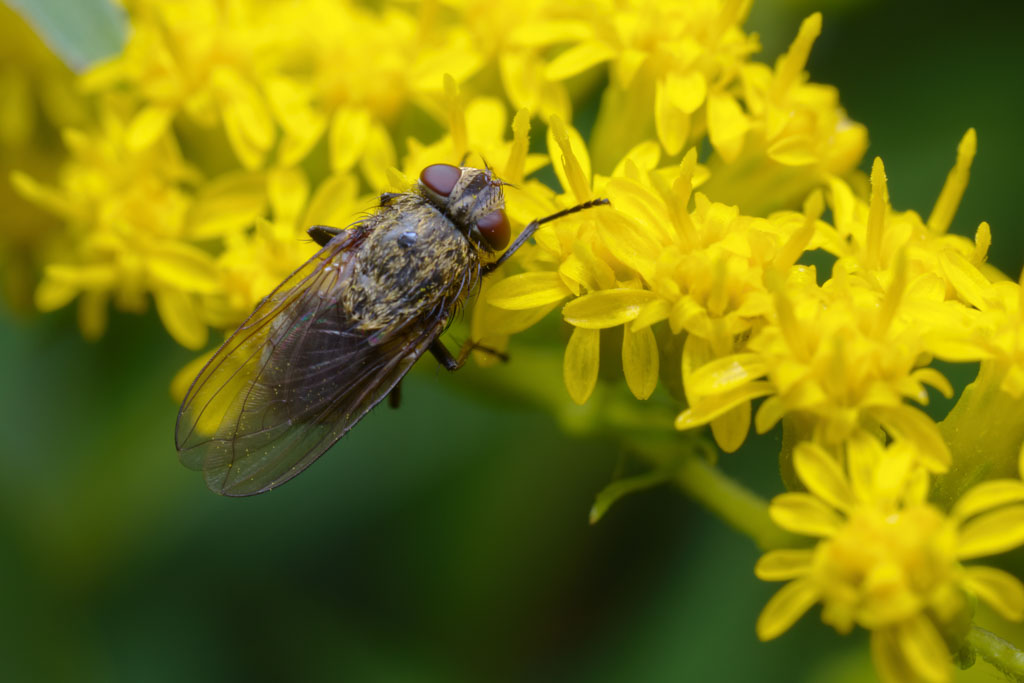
{"x":532,"y":228}
{"x":322,"y":234}
{"x":450,"y":362}
{"x":395,"y":397}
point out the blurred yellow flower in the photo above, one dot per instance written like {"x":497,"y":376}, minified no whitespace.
{"x":36,"y":99}
{"x":126,"y":213}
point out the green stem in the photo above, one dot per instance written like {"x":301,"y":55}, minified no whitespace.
{"x":642,"y":428}
{"x":997,"y":652}
{"x":726,"y":498}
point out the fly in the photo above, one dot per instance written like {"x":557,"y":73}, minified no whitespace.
{"x":338,"y":335}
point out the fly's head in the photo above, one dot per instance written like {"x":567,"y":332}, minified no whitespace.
{"x":472,"y":199}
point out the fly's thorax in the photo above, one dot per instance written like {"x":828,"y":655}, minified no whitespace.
{"x":413,"y":262}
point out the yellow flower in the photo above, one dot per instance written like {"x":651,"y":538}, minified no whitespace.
{"x":838,"y":359}
{"x":36,"y":99}
{"x":868,"y":238}
{"x":133,"y":222}
{"x":888,"y":561}
{"x":255,"y":261}
{"x":281,"y":74}
{"x":670,"y":65}
{"x":126,"y":213}
{"x":778,"y":136}
{"x":194,"y":57}
{"x":996,"y":397}
{"x":842,"y":357}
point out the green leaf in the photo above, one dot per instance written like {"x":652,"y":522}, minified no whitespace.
{"x":80,"y":32}
{"x":621,"y":487}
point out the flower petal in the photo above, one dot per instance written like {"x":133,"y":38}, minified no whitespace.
{"x":227,"y":204}
{"x":731,"y":427}
{"x":378,"y":156}
{"x":93,"y":314}
{"x":179,"y":314}
{"x":288,"y":190}
{"x":179,"y":265}
{"x":687,"y":91}
{"x":582,"y":361}
{"x":578,"y":59}
{"x":52,"y":294}
{"x":822,"y":475}
{"x":527,"y":290}
{"x":640,"y":361}
{"x":991,"y":533}
{"x":346,"y":137}
{"x":785,"y":607}
{"x":888,"y":657}
{"x":566,"y":143}
{"x":804,"y":514}
{"x":988,"y":495}
{"x":629,"y":242}
{"x":924,"y":649}
{"x":725,"y":374}
{"x":783,"y":565}
{"x":956,"y":182}
{"x":670,"y":122}
{"x":912,"y":424}
{"x":1001,"y":590}
{"x":709,"y":408}
{"x":607,"y":308}
{"x":727,"y":125}
{"x":148,"y":125}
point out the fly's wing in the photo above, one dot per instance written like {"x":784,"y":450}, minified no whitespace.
{"x":292,"y":379}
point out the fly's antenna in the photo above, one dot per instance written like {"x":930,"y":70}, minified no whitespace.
{"x":565,"y":212}
{"x":532,"y":228}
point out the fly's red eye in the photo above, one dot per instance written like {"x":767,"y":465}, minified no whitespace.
{"x":440,"y":178}
{"x":495,"y":229}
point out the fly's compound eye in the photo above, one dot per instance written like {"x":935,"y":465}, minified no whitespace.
{"x":440,"y":178}
{"x":495,"y":229}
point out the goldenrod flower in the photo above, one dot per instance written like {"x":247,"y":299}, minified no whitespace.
{"x":889,"y":561}
{"x":789,"y":136}
{"x":254,"y":262}
{"x":668,"y":65}
{"x":651,"y":260}
{"x":36,"y":99}
{"x":842,"y":357}
{"x":126,"y":212}
{"x":996,"y":397}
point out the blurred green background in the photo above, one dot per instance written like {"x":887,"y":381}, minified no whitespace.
{"x":448,"y":540}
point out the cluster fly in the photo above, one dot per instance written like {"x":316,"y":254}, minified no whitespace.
{"x":339,"y":333}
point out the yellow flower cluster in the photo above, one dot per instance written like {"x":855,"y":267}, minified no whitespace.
{"x":36,"y":99}
{"x":888,"y":559}
{"x":224,"y":129}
